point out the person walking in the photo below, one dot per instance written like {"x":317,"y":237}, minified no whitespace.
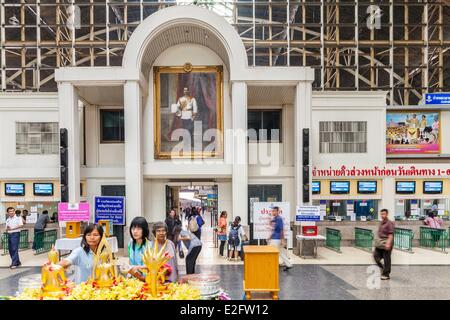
{"x":222,"y":231}
{"x":13,"y":226}
{"x":384,"y":244}
{"x":39,"y":226}
{"x":277,"y":237}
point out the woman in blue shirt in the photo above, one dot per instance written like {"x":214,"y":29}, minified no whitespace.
{"x":139,"y":242}
{"x":83,"y":257}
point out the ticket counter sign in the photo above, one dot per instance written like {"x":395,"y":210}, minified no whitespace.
{"x":110,"y":208}
{"x":307,"y":213}
{"x":73,"y":211}
{"x":262,"y":218}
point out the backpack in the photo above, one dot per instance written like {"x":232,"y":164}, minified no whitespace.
{"x":233,"y":236}
{"x":193,"y":225}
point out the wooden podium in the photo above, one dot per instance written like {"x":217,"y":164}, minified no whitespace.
{"x":261,"y":270}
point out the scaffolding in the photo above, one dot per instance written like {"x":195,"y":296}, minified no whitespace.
{"x":399,"y":46}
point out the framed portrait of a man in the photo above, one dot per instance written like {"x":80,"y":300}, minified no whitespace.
{"x":188,"y":112}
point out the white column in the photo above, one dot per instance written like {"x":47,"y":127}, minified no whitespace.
{"x":388,"y":200}
{"x":302,"y":110}
{"x":133,"y":152}
{"x":240,"y":154}
{"x":69,"y":118}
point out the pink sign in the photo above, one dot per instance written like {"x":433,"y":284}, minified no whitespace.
{"x":73,"y":211}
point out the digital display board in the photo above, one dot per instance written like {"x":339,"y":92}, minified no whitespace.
{"x":15,"y":189}
{"x":43,"y":189}
{"x":432,"y":186}
{"x":339,"y":186}
{"x":316,"y":187}
{"x":367,"y":187}
{"x":405,"y":187}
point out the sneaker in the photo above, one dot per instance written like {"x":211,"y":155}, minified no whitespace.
{"x":385,"y":278}
{"x":13,"y":267}
{"x":287,"y":268}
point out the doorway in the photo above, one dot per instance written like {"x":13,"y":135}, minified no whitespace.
{"x":184,"y":198}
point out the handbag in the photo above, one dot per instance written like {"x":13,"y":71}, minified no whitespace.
{"x":380,"y":243}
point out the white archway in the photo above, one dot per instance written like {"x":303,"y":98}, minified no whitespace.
{"x":218,"y":34}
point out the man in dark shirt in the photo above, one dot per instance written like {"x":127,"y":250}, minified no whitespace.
{"x":384,"y":249}
{"x":40,"y":225}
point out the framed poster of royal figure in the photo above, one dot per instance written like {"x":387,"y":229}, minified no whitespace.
{"x":188,"y":112}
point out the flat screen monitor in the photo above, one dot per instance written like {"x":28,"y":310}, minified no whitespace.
{"x":339,"y":186}
{"x":316,"y":187}
{"x":43,"y":189}
{"x":367,"y":187}
{"x":405,"y":187}
{"x":433,"y":187}
{"x":15,"y":189}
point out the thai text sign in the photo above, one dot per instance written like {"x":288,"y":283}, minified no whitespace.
{"x":307,"y":213}
{"x":110,"y":208}
{"x":262,"y":218}
{"x":73,"y":211}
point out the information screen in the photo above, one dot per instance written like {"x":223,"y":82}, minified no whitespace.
{"x":339,"y":186}
{"x":43,"y":189}
{"x":316,"y":187}
{"x":367,"y":187}
{"x":432,"y":186}
{"x":15,"y":189}
{"x":405,"y":187}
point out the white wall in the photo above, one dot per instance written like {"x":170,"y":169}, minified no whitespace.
{"x":26,"y":107}
{"x":350,"y":106}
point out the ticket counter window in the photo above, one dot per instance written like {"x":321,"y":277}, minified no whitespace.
{"x":336,"y":208}
{"x":366,"y":208}
{"x":415,"y":209}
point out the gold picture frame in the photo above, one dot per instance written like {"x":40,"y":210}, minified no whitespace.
{"x":217,"y":153}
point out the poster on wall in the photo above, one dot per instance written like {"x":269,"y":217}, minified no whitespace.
{"x":188,"y":112}
{"x":262,"y":217}
{"x":413,"y":132}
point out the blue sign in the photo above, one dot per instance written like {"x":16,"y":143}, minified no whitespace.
{"x":307,"y":213}
{"x":212,"y":196}
{"x":437,"y":98}
{"x":110,"y":208}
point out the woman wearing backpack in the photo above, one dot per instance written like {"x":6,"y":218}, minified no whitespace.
{"x":235,"y":238}
{"x":195,"y":224}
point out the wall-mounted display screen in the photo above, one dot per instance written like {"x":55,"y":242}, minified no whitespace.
{"x":367,"y":187}
{"x":15,"y":189}
{"x":43,"y":189}
{"x":405,"y":187}
{"x":339,"y":186}
{"x":432,"y":186}
{"x":316,"y":187}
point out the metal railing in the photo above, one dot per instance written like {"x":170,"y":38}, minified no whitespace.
{"x":363,"y":239}
{"x":333,"y":239}
{"x":431,"y":238}
{"x":403,"y":239}
{"x":44,"y":240}
{"x":23,"y":242}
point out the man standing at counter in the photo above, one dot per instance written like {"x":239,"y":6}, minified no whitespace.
{"x":13,"y":225}
{"x":384,"y":244}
